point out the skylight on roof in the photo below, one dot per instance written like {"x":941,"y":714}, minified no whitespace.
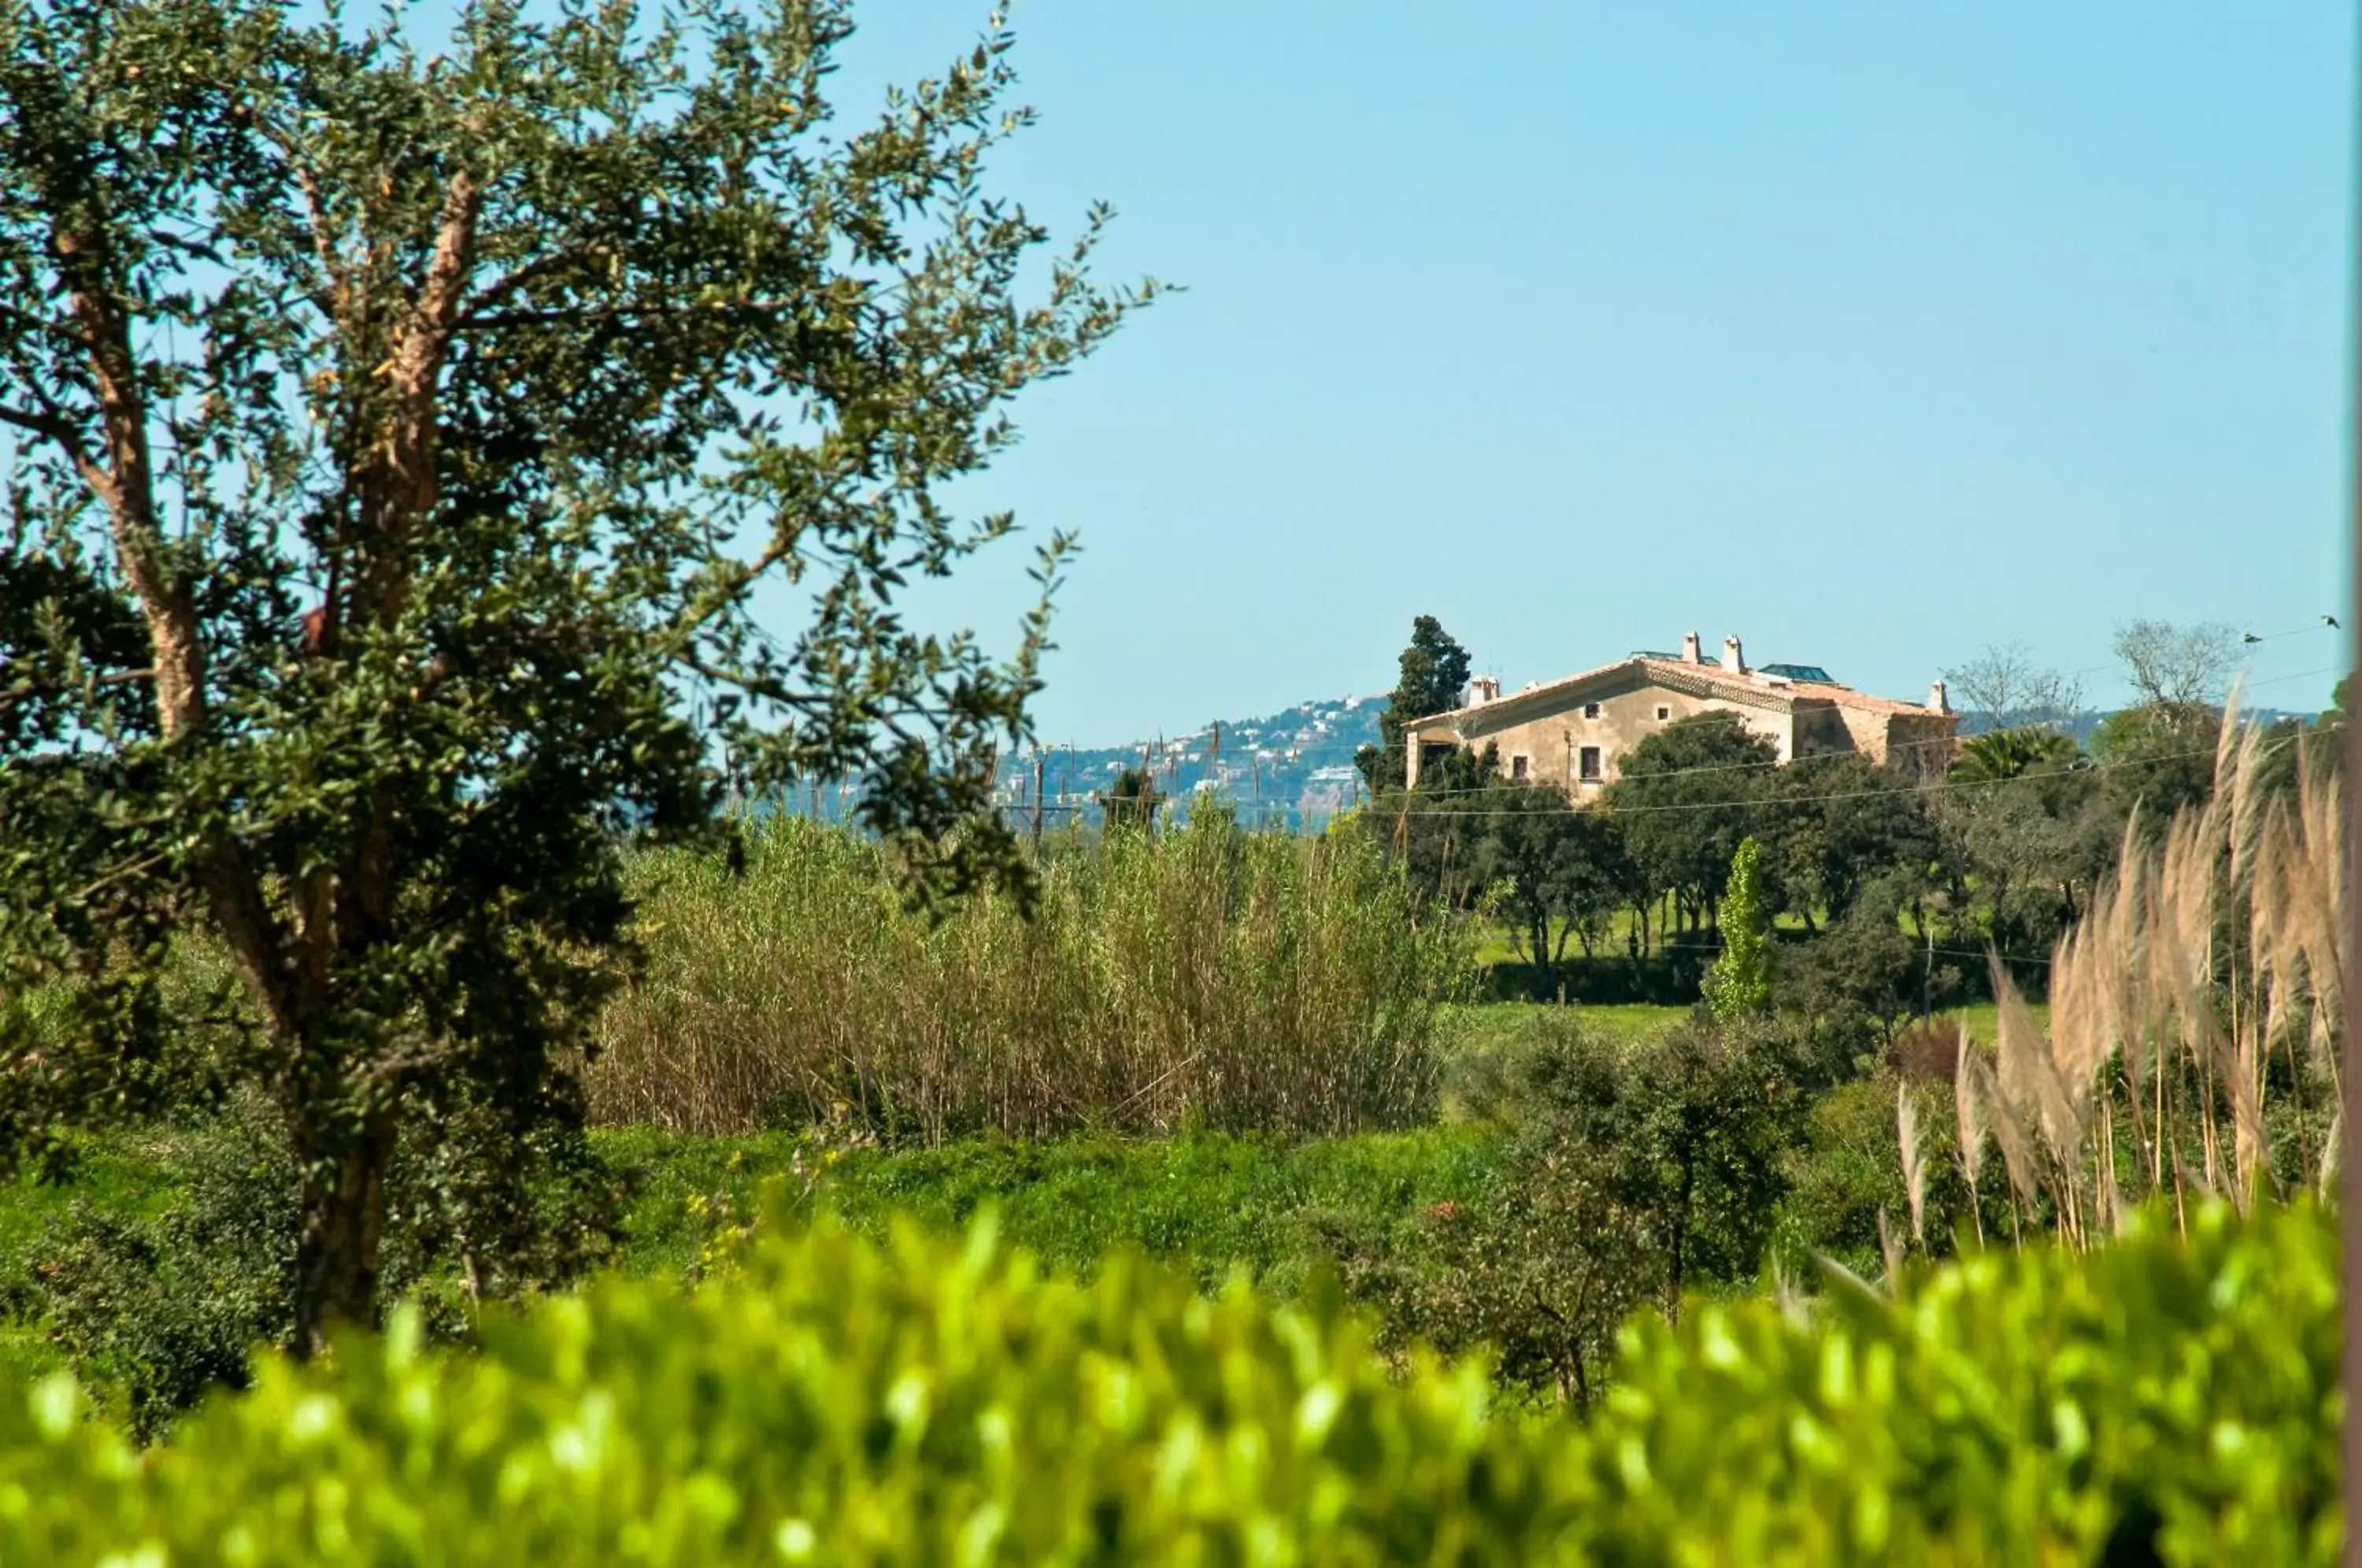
{"x":1812,"y":672}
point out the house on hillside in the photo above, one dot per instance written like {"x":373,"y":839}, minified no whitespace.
{"x":1572,"y":732}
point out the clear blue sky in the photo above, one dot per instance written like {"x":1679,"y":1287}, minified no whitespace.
{"x":1873,"y":333}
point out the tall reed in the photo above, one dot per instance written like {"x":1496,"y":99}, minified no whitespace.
{"x":2195,"y":1011}
{"x":1208,"y":976}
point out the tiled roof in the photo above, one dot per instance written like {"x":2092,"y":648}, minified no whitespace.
{"x":1843,"y":696}
{"x":1700,"y":680}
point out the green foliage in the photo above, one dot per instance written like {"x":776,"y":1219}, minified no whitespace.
{"x":1559,"y":869}
{"x":2159,"y":758}
{"x":1674,"y":790}
{"x":1999,"y":754}
{"x":1206,"y":977}
{"x":1208,"y":1204}
{"x":2161,"y":1399}
{"x":1431,"y":677}
{"x":1630,"y":1173}
{"x":1133,"y":798}
{"x":400,"y":441}
{"x":1539,"y":1272}
{"x":1851,"y":986}
{"x":1739,"y":984}
{"x":1847,"y":1169}
{"x":2155,"y":1400}
{"x":1833,"y":827}
{"x":156,"y":1312}
{"x":1694,"y":1128}
{"x":834,"y":1402}
{"x":155,"y":1283}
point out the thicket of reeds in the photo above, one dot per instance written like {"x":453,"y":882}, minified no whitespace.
{"x":1206,"y":977}
{"x":2194,"y":1045}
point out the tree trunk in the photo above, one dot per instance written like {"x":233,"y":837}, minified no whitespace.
{"x":1680,"y":1249}
{"x":343,"y":1222}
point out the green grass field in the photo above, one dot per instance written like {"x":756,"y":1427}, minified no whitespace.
{"x":1216,"y":1205}
{"x":1492,"y":1024}
{"x":1220,"y":1204}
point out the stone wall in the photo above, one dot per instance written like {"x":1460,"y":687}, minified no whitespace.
{"x":1550,"y":732}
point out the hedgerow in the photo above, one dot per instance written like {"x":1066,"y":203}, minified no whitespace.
{"x":2164,"y":1399}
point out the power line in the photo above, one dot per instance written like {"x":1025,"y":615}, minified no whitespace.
{"x":1759,"y":765}
{"x":1944,"y":787}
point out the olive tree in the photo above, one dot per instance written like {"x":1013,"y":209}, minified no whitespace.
{"x":397,"y":443}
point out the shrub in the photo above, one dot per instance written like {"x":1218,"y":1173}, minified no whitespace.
{"x":1207,"y":976}
{"x":1847,"y":1171}
{"x":156,"y":1303}
{"x":929,"y":1402}
{"x":2161,"y":1400}
{"x":1627,"y":1175}
{"x":1693,"y":1131}
{"x":155,"y":1313}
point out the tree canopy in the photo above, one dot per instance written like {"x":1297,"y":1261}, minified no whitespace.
{"x":1432,"y":675}
{"x":1687,"y":795}
{"x":398,"y":442}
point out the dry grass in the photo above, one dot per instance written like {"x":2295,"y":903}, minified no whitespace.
{"x":2194,"y":1044}
{"x":1209,"y":979}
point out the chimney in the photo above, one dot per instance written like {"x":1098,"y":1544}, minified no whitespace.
{"x":1938,"y":700}
{"x":1732,"y":660}
{"x":1690,"y":654}
{"x":1482,"y":688}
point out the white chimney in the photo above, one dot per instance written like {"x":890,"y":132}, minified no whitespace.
{"x":1690,"y":654}
{"x":1482,"y":688}
{"x":1938,"y":700}
{"x":1732,"y":659}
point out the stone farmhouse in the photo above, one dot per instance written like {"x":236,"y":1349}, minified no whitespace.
{"x":1572,"y":732}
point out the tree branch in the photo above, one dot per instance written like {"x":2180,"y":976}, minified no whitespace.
{"x":317,"y":205}
{"x":525,"y":276}
{"x":474,"y":322}
{"x":56,"y":428}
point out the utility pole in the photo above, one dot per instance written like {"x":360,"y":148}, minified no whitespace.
{"x":1928,"y":976}
{"x":1037,"y":802}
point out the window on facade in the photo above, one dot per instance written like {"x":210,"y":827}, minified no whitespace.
{"x":1587,"y":762}
{"x":1663,"y":713}
{"x":1591,"y":710}
{"x":1518,"y":766}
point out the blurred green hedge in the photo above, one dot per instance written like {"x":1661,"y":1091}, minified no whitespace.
{"x":2158,"y":1401}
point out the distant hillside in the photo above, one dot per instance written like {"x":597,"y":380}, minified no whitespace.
{"x":1294,"y":767}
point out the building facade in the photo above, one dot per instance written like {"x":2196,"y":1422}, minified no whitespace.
{"x":1572,"y":732}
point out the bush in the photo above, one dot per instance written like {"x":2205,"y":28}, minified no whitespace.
{"x":155,"y":1302}
{"x":1628,"y":1174}
{"x":156,"y":1312}
{"x":2161,"y":1400}
{"x":2157,"y":1400}
{"x":1692,"y":1132}
{"x":932,"y":1402}
{"x":1848,"y":1170}
{"x":1205,"y":977}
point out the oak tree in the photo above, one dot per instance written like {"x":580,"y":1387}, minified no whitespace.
{"x":397,"y":443}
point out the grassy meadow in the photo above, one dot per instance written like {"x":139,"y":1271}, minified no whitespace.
{"x":1258,"y":1066}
